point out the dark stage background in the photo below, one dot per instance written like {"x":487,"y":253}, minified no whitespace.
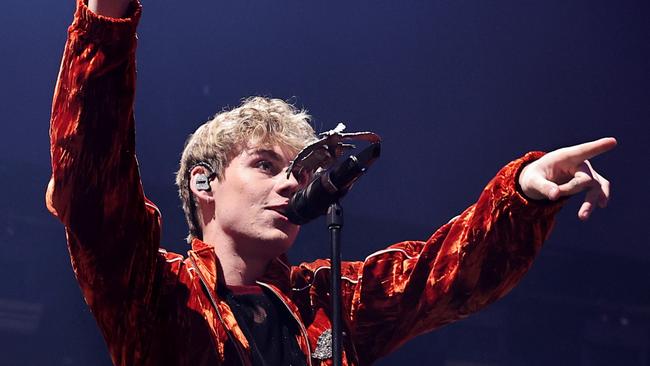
{"x":456,"y":89}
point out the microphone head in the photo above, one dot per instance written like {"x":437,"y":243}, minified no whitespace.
{"x":311,"y":201}
{"x":328,"y":187}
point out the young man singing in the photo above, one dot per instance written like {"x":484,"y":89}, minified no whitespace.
{"x":234,"y":299}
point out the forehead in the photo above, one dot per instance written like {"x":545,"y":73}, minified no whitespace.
{"x":279,"y":152}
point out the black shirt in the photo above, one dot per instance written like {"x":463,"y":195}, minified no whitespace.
{"x":268,"y":326}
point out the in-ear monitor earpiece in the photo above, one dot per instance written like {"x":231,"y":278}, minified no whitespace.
{"x":202,"y":182}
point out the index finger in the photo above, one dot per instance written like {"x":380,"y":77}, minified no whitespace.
{"x":588,"y":150}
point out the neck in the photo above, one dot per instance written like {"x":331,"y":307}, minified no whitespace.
{"x":238,"y":269}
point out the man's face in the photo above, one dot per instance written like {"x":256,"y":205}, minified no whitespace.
{"x":250,"y":200}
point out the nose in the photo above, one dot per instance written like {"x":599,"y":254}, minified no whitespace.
{"x":287,"y":187}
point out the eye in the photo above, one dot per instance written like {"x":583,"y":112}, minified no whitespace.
{"x":266,"y":166}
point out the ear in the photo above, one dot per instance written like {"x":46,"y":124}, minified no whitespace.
{"x":201,"y":184}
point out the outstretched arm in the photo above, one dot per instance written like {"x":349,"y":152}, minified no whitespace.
{"x":565,"y":172}
{"x":473,"y":260}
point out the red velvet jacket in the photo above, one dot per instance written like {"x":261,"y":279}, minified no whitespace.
{"x":156,"y":308}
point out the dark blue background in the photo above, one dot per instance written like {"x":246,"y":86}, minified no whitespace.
{"x":455,"y":88}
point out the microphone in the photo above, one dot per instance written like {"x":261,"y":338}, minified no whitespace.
{"x":330,"y":186}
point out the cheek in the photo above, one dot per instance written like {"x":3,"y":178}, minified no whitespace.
{"x":250,"y":189}
{"x":256,"y":193}
{"x":250,"y":199}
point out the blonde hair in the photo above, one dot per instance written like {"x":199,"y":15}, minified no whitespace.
{"x":257,"y":121}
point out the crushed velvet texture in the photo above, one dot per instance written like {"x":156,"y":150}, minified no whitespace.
{"x":160,"y":308}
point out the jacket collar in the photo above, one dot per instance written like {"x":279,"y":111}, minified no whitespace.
{"x":277,"y":273}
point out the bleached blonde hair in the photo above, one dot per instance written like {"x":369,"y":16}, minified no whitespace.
{"x":257,"y":121}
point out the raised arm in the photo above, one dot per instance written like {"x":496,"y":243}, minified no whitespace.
{"x":95,"y":190}
{"x":109,"y":8}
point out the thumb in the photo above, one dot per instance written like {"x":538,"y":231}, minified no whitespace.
{"x":548,"y":189}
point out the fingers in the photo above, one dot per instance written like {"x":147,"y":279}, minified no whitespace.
{"x":567,"y":171}
{"x":603,"y":198}
{"x":588,"y":150}
{"x":577,"y":184}
{"x":597,"y":195}
{"x":589,"y":204}
{"x":597,"y":187}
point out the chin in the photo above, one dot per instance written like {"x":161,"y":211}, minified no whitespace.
{"x":281,"y":241}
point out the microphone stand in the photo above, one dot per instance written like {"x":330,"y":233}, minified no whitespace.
{"x":309,"y":203}
{"x":334,"y":224}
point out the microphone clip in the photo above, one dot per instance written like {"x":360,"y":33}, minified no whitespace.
{"x":323,"y":153}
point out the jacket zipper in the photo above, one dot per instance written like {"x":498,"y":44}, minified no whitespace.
{"x":302,"y":326}
{"x":240,"y":352}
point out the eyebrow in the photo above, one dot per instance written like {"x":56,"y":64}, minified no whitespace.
{"x":272,"y":154}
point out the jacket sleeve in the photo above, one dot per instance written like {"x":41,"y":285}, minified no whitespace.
{"x":413,"y":287}
{"x":95,"y":189}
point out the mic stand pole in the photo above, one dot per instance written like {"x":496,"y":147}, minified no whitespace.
{"x":334,"y":224}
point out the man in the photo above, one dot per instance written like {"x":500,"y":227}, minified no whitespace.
{"x":234,"y":299}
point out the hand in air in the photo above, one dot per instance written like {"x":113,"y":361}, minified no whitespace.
{"x":567,"y":171}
